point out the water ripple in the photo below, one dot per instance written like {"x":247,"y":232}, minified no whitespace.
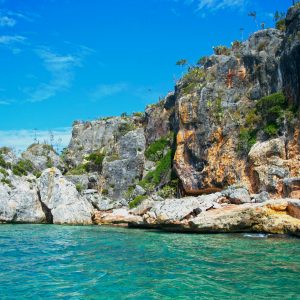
{"x":62,"y":262}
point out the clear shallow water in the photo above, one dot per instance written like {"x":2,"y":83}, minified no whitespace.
{"x":61,"y":262}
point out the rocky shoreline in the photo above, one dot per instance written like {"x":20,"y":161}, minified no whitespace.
{"x":221,"y":153}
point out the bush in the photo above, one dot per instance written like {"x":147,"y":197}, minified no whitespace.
{"x":95,"y":161}
{"x":192,"y":79}
{"x":6,"y":181}
{"x":125,"y":128}
{"x":221,"y":50}
{"x":247,"y":138}
{"x":154,"y":152}
{"x":280,"y":25}
{"x":22,"y":168}
{"x":136,"y":201}
{"x":271,"y":130}
{"x":161,"y":170}
{"x":4,"y":172}
{"x":79,"y":187}
{"x":79,"y":170}
{"x":169,"y":190}
{"x":3,"y":163}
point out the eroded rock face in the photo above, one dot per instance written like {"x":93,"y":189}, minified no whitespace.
{"x":210,"y":112}
{"x":19,"y":201}
{"x":268,"y":166}
{"x":292,"y":187}
{"x":160,"y":119}
{"x":102,"y":135}
{"x":116,"y":217}
{"x":271,"y":217}
{"x":62,"y":200}
{"x":127,"y":168}
{"x":43,"y":156}
{"x":290,"y":59}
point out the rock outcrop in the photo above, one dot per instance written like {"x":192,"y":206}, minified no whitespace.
{"x":19,"y":201}
{"x":290,"y":58}
{"x":227,"y":141}
{"x":62,"y":200}
{"x":43,"y":156}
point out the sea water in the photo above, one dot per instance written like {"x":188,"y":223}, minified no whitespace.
{"x":97,"y":262}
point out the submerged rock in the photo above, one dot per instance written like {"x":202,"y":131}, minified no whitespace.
{"x":62,"y":199}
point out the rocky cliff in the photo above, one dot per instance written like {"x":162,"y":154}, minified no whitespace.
{"x":230,"y":128}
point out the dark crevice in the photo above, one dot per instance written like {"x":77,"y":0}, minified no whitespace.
{"x":46,"y":210}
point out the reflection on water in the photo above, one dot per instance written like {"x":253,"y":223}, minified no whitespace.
{"x":51,"y":262}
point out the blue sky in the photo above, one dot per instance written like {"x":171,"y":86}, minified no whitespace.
{"x":66,"y":60}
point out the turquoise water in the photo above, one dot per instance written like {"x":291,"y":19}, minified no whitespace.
{"x":62,"y":262}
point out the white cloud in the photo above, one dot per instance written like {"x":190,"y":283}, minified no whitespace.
{"x":19,"y":140}
{"x":7,"y":22}
{"x":11,"y":39}
{"x":206,"y":6}
{"x":220,"y":4}
{"x":61,"y":68}
{"x":107,"y":90}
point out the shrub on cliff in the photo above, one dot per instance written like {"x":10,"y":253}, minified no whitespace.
{"x":136,"y":201}
{"x":95,"y":161}
{"x":153,"y":178}
{"x":22,"y":168}
{"x":155,"y":151}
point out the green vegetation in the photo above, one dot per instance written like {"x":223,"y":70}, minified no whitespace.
{"x":236,"y":45}
{"x":79,"y":187}
{"x":138,"y":114}
{"x":79,"y":170}
{"x":169,"y":190}
{"x":272,"y":110}
{"x":192,"y":79}
{"x":202,"y":60}
{"x":215,"y":109}
{"x":105,"y":192}
{"x":49,"y":163}
{"x":6,"y":181}
{"x":4,"y":150}
{"x":113,"y":157}
{"x":125,"y":128}
{"x":182,"y":62}
{"x":268,"y":116}
{"x":3,"y":163}
{"x":155,"y":151}
{"x":221,"y":50}
{"x":95,"y":161}
{"x":4,"y":172}
{"x":136,"y":201}
{"x":153,"y":178}
{"x":279,"y":18}
{"x":128,"y":194}
{"x":22,"y":168}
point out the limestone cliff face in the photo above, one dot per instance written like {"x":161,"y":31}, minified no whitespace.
{"x":290,"y":58}
{"x":226,"y":131}
{"x":215,"y":103}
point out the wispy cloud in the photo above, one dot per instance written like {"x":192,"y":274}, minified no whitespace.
{"x":209,"y":6}
{"x":7,"y":21}
{"x":11,"y":39}
{"x":220,"y":4}
{"x":61,"y":68}
{"x":19,"y":140}
{"x":106,"y":90}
